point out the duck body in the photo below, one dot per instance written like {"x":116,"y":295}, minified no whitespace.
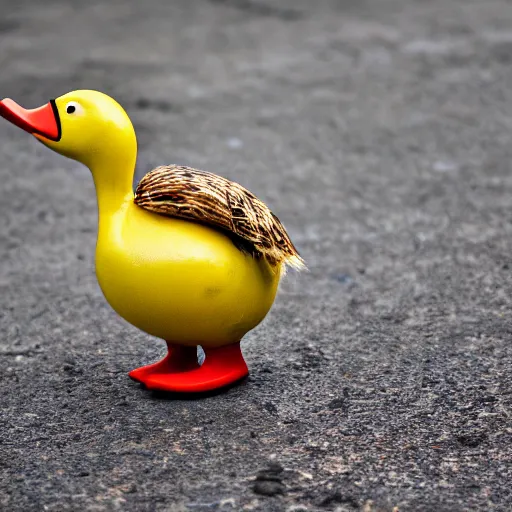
{"x":181,"y":281}
{"x":191,"y":257}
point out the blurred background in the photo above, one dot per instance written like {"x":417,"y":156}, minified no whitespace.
{"x":379,"y":132}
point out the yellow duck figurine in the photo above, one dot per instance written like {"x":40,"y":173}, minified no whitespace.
{"x":191,"y":257}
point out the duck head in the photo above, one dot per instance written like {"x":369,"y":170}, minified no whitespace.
{"x":87,"y":126}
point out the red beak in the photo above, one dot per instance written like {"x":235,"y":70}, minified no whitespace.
{"x":44,"y":120}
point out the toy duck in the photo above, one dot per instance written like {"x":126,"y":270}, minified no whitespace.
{"x":192,"y":258}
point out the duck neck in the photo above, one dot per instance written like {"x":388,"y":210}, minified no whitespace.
{"x":113,"y":179}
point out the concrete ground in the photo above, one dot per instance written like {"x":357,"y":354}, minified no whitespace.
{"x":379,"y":131}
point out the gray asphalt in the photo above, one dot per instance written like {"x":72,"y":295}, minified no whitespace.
{"x":380,"y":133}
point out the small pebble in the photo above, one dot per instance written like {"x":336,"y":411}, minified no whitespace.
{"x":268,"y":488}
{"x":234,"y":143}
{"x":130,"y":488}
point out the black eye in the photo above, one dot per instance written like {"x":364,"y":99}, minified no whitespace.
{"x":70,"y":109}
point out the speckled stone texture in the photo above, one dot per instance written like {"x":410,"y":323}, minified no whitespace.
{"x":380,"y":133}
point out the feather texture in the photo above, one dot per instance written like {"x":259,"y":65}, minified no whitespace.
{"x":200,"y":196}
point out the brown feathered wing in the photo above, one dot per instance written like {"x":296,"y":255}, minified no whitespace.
{"x":204,"y":197}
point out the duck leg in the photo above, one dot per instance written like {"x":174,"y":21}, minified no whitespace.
{"x":222,"y":366}
{"x":179,"y":358}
